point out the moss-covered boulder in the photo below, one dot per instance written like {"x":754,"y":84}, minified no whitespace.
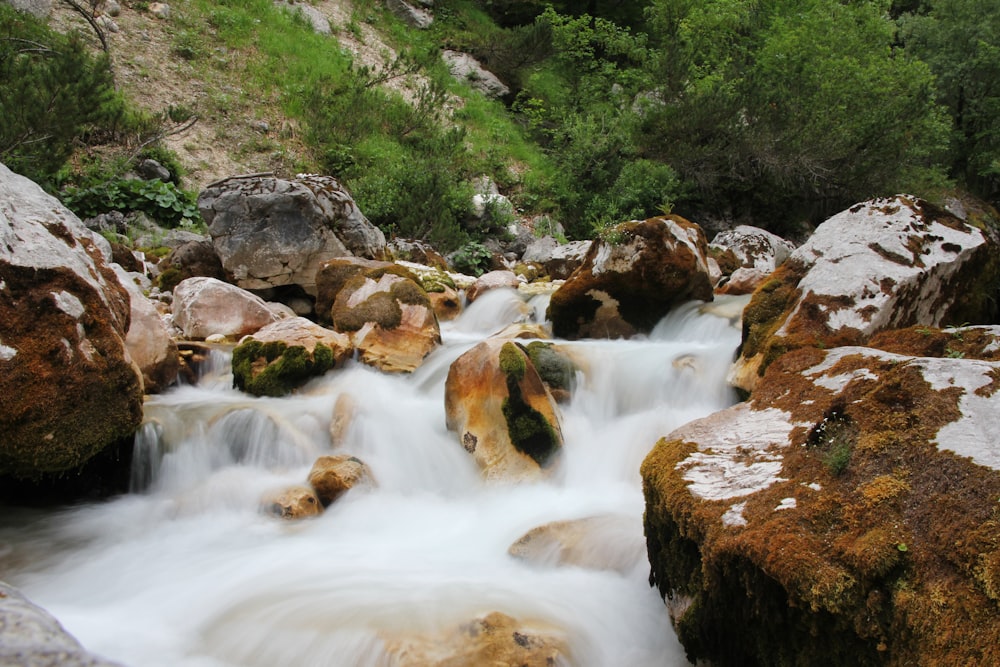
{"x":505,"y":417}
{"x":285,"y":355}
{"x":631,"y":278}
{"x":389,"y":317}
{"x":333,"y":274}
{"x":747,"y":256}
{"x":880,"y":265}
{"x":556,"y":369}
{"x":846,"y":515}
{"x":68,"y":388}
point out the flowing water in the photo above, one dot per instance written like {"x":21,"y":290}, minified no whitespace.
{"x":186,"y":572}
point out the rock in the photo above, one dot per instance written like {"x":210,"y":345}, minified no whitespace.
{"x":189,"y":260}
{"x":495,"y":639}
{"x":447,"y":303}
{"x":285,"y":355}
{"x":491,"y":280}
{"x":31,"y":637}
{"x":882,"y":264}
{"x":742,"y":281}
{"x":314,"y":16}
{"x":111,"y":7}
{"x":148,"y":341}
{"x":628,"y":283}
{"x":754,"y":248}
{"x":68,"y":388}
{"x":468,"y":70}
{"x":160,"y":10}
{"x":557,"y":370}
{"x":596,"y":543}
{"x":558,"y":260}
{"x":106,"y":23}
{"x":152,"y":170}
{"x":333,"y":476}
{"x":417,"y":252}
{"x":845,"y":515}
{"x":333,"y":275}
{"x":297,"y":502}
{"x":414,"y":17}
{"x":345,"y":409}
{"x":37,"y":8}
{"x":206,"y":306}
{"x":271,"y":232}
{"x":504,"y":416}
{"x":389,"y":317}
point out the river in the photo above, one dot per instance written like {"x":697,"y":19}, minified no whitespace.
{"x":186,"y":572}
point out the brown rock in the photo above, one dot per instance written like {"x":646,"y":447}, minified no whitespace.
{"x":297,"y":502}
{"x":333,"y":476}
{"x":599,"y":543}
{"x":625,"y":286}
{"x":491,"y":280}
{"x":206,"y":306}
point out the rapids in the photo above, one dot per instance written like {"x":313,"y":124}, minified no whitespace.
{"x":185,"y":572}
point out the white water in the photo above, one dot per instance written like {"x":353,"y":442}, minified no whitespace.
{"x":187,"y":572}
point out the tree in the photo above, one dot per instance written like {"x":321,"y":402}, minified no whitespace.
{"x":52,"y":91}
{"x":960,"y":41}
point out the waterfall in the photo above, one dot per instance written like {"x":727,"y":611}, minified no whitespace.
{"x":185,"y":571}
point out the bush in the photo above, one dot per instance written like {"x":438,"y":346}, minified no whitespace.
{"x":163,"y":202}
{"x":473,"y":259}
{"x":52,"y":93}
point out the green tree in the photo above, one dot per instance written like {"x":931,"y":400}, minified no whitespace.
{"x":789,"y":107}
{"x":52,"y":93}
{"x":960,"y":40}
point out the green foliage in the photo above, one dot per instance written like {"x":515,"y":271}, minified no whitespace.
{"x":960,"y":41}
{"x":473,"y":258}
{"x":53,"y":93}
{"x":162,"y":202}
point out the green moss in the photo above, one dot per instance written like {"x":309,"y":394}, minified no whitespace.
{"x":437,"y":281}
{"x":168,"y":279}
{"x":530,"y":432}
{"x":512,"y":362}
{"x":410,"y":293}
{"x":556,"y":370}
{"x":276,"y":369}
{"x":381,"y":308}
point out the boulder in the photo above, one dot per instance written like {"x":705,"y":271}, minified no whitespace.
{"x":504,"y":416}
{"x":285,"y":355}
{"x":37,"y":8}
{"x":206,"y":306}
{"x":494,"y":639}
{"x":557,"y":370}
{"x":415,"y":17}
{"x":631,"y":278}
{"x":32,"y":637}
{"x":606,"y":542}
{"x":271,"y":232}
{"x":389,"y":317}
{"x":190,"y":260}
{"x":418,"y":252}
{"x":845,"y":515}
{"x":491,"y":280}
{"x":333,"y":476}
{"x":334,"y":274}
{"x":558,"y":260}
{"x":466,"y":69}
{"x":148,"y":340}
{"x":319,"y":22}
{"x":297,"y":502}
{"x":754,"y":248}
{"x":883,"y":264}
{"x":446,"y":302}
{"x":68,"y":388}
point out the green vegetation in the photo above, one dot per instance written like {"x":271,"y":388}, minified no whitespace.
{"x":774,"y":112}
{"x":275,"y":368}
{"x":162,"y":201}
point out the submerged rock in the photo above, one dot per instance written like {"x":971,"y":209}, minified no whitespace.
{"x":597,"y":543}
{"x":494,"y":639}
{"x":506,"y":419}
{"x":68,"y":388}
{"x":628,"y":283}
{"x":297,"y":502}
{"x":333,"y":476}
{"x":846,"y":515}
{"x":882,"y":264}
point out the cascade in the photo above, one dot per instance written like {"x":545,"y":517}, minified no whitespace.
{"x":185,"y":571}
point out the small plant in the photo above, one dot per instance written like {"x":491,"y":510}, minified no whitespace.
{"x":473,"y":258}
{"x":164,"y":202}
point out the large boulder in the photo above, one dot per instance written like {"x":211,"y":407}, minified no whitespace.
{"x":846,"y":515}
{"x":493,"y":639}
{"x":631,"y":278}
{"x":148,"y":340}
{"x":285,"y":355}
{"x":882,"y":264}
{"x":502,"y":412}
{"x":32,"y":637}
{"x":68,"y":388}
{"x":389,"y":317}
{"x":757,"y":253}
{"x":466,"y":69}
{"x":190,"y":260}
{"x":271,"y":232}
{"x":333,"y":275}
{"x":204,"y":307}
{"x":558,"y":260}
{"x":492,"y":280}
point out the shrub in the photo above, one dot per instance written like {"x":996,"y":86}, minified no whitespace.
{"x":163,"y":202}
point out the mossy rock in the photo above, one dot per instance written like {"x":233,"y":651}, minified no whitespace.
{"x":275,"y":368}
{"x":556,"y":370}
